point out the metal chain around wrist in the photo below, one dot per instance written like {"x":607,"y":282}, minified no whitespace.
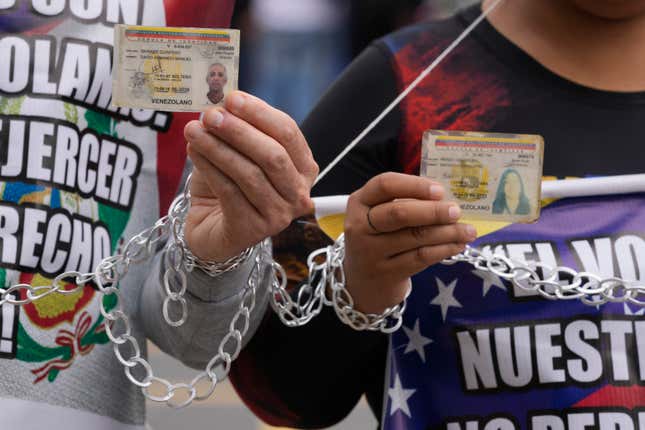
{"x":388,"y":321}
{"x":326,"y":273}
{"x":179,"y":260}
{"x":117,"y":324}
{"x":228,"y":349}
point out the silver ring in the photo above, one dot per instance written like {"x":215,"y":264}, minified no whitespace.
{"x":369,"y":221}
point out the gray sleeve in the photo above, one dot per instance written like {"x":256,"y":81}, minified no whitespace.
{"x":212,"y":304}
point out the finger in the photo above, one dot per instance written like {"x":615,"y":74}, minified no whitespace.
{"x":262,"y":149}
{"x":390,"y":186}
{"x":276,"y":124}
{"x":219,"y":185}
{"x":416,"y":237}
{"x":250,"y":179}
{"x":400,"y":214}
{"x":233,"y":204}
{"x":418,"y":259}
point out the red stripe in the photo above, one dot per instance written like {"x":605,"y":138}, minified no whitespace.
{"x":148,"y":36}
{"x":486,"y":145}
{"x":626,"y":397}
{"x":199,"y":13}
{"x":171,"y":146}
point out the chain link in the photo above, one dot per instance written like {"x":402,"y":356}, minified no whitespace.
{"x":555,"y":283}
{"x":311,"y":296}
{"x":178,"y":261}
{"x":177,"y":395}
{"x":326,"y":277}
{"x":388,"y":321}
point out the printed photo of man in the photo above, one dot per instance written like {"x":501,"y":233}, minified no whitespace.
{"x":216,"y":79}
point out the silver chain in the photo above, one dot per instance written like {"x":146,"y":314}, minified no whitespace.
{"x":388,"y":321}
{"x":555,"y":283}
{"x":228,"y":349}
{"x":326,"y":276}
{"x":312,"y":296}
{"x":178,"y":261}
{"x":309,"y":300}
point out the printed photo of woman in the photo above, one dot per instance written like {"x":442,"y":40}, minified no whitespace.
{"x":510,"y":197}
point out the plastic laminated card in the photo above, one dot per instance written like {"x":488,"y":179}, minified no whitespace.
{"x":174,"y":69}
{"x":492,"y":176}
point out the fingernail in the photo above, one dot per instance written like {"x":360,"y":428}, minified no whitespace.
{"x":436,"y":192}
{"x":214,"y":118}
{"x":471,"y":232}
{"x":454,"y":212}
{"x":237,"y":101}
{"x":192,"y":130}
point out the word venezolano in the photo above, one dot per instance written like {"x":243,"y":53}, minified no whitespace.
{"x":57,"y":154}
{"x":106,"y":11}
{"x":50,"y":241}
{"x":524,"y":355}
{"x":81,"y":74}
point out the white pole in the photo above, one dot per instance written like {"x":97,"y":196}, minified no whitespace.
{"x":601,"y":186}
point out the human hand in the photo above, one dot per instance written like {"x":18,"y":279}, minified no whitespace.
{"x":396,"y":226}
{"x":253,"y":172}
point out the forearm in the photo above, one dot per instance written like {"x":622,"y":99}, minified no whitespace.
{"x":212,"y":304}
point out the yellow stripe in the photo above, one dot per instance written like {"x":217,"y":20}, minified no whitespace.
{"x":332,"y":225}
{"x":178,"y":29}
{"x":488,"y":139}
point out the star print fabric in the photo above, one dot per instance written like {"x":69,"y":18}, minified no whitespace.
{"x":476,"y":350}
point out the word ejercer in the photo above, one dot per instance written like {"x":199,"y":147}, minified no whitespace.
{"x":57,"y":154}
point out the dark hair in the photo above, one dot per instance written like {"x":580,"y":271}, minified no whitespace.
{"x":499,"y":204}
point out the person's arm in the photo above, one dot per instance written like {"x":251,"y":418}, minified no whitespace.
{"x":239,"y":197}
{"x":313,"y":376}
{"x":212,"y":303}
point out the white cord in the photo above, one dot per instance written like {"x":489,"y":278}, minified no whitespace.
{"x":405,"y":92}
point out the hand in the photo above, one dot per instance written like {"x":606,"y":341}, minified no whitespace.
{"x":410,"y":230}
{"x":252,"y":175}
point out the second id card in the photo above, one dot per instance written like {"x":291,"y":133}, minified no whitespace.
{"x":492,"y":176}
{"x":174,"y":69}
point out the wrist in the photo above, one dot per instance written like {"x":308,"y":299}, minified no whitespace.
{"x":217,"y":268}
{"x":387,"y":321}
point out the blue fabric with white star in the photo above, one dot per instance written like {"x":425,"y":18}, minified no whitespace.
{"x":424,"y":385}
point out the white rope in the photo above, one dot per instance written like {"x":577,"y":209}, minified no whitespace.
{"x":412,"y":86}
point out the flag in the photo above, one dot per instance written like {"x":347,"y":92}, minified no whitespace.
{"x":476,"y":352}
